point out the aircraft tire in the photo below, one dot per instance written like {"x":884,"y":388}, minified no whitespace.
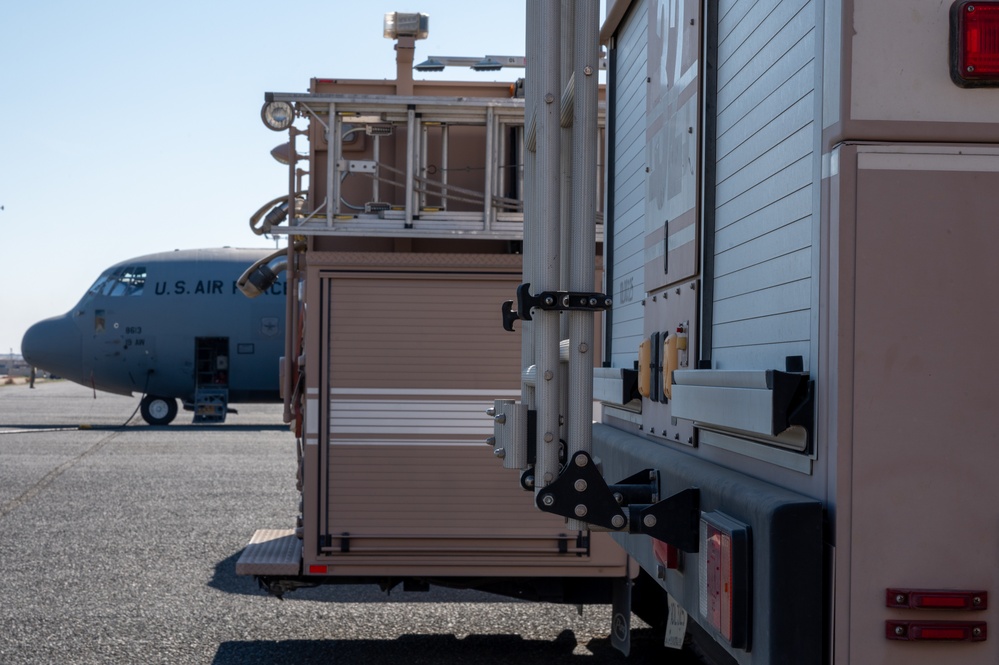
{"x":158,"y":410}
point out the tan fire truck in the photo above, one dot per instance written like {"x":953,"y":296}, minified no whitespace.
{"x":404,"y":220}
{"x":797,"y":439}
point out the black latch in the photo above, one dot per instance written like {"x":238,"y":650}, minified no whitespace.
{"x":551,"y":301}
{"x":344,"y":538}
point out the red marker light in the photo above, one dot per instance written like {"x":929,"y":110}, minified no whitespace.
{"x":936,"y":631}
{"x":936,"y":599}
{"x":315,"y":569}
{"x":974,"y":43}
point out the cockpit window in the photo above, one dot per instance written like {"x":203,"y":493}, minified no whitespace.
{"x":99,"y":284}
{"x":126,"y":281}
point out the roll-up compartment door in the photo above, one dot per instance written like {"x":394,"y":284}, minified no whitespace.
{"x":414,"y":360}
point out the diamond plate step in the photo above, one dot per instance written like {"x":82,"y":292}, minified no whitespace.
{"x":271,"y":552}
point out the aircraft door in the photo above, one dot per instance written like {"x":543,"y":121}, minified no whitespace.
{"x":211,"y":360}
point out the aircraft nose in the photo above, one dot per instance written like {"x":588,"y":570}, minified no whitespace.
{"x":54,"y":345}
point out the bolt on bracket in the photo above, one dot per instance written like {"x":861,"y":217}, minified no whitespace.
{"x":632,"y":505}
{"x":566,"y":494}
{"x":551,"y":301}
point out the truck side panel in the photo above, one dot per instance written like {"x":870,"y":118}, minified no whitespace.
{"x":845,"y":239}
{"x":917,"y":491}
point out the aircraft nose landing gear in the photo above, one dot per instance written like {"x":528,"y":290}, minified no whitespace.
{"x":158,"y":410}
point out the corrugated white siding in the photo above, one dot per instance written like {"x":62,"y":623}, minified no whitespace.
{"x":628,"y":195}
{"x":764,"y":198}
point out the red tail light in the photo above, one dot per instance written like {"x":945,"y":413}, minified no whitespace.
{"x":974,"y":43}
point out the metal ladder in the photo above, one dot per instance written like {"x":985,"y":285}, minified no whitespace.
{"x":210,"y":405}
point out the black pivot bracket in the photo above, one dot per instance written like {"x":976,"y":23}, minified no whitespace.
{"x":581,"y":493}
{"x":675,"y":520}
{"x":551,"y":301}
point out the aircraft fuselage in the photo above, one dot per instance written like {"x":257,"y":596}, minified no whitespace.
{"x":165,"y":324}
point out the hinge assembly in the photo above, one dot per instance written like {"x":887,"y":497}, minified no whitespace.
{"x":551,"y":300}
{"x":632,"y":505}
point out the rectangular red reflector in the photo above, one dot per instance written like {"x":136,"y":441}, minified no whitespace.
{"x":974,"y":43}
{"x":315,"y":569}
{"x":718,"y":581}
{"x":723,"y":576}
{"x":936,"y":631}
{"x":937,"y":599}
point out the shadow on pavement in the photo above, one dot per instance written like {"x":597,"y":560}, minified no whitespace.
{"x":438,"y":649}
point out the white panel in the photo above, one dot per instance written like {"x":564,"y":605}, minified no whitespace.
{"x":357,"y":417}
{"x":759,"y":253}
{"x":741,"y":145}
{"x":900,"y":66}
{"x":763,"y":55}
{"x":781,"y":270}
{"x":764,"y":330}
{"x":764,"y":195}
{"x":761,"y":355}
{"x":780,"y":212}
{"x":762,"y":302}
{"x":786,"y":157}
{"x":738,"y":408}
{"x":628,"y":162}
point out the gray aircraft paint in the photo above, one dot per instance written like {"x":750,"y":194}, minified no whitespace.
{"x":134,"y":330}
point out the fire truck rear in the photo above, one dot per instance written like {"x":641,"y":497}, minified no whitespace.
{"x":404,"y":223}
{"x":797,"y":437}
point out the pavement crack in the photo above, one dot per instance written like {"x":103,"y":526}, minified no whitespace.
{"x":49,"y":478}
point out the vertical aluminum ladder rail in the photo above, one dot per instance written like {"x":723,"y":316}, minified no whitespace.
{"x":566,"y":191}
{"x":516,"y":451}
{"x":583,"y":223}
{"x":548,"y":259}
{"x":332,"y":159}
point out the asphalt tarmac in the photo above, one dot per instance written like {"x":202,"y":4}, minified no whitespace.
{"x":118,"y":544}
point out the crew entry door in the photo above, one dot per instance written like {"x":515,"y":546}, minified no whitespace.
{"x":211,"y":360}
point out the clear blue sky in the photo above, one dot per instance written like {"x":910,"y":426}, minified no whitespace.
{"x":133,"y":127}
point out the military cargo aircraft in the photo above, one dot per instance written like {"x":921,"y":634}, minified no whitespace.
{"x":171,"y":326}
